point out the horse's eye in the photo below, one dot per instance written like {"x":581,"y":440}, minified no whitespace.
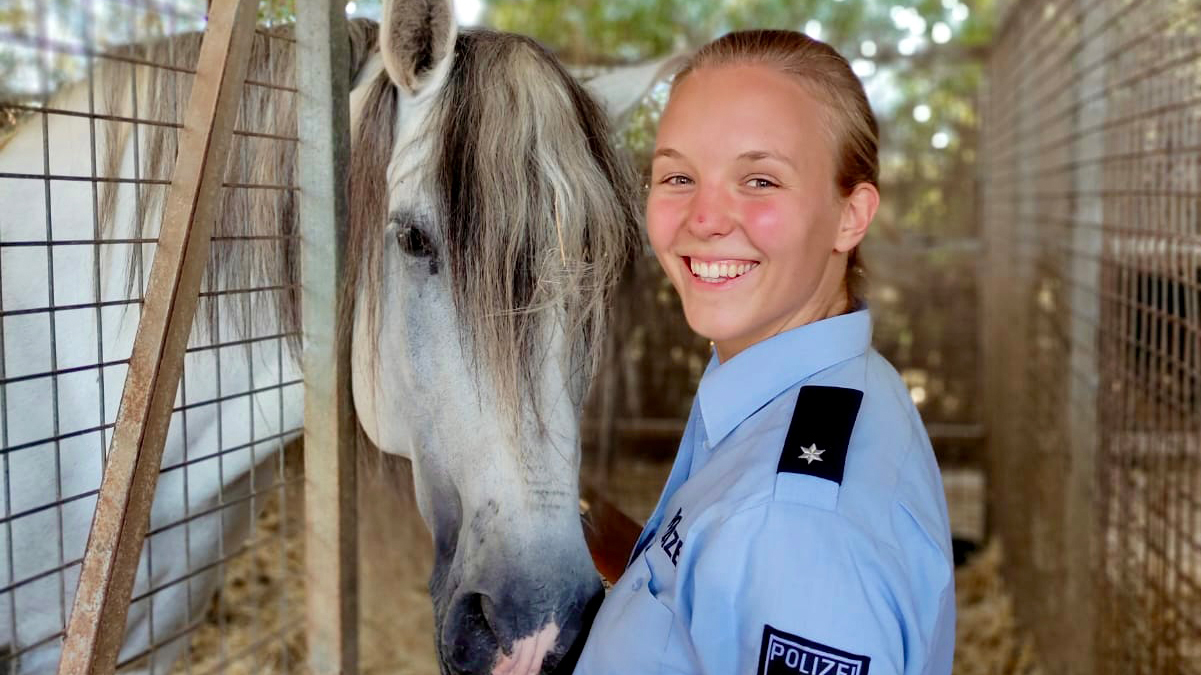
{"x":415,"y":242}
{"x":412,"y":237}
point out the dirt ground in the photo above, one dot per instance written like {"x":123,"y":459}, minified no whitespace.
{"x":396,"y":633}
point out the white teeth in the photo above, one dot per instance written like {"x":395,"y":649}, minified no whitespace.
{"x":719,"y":270}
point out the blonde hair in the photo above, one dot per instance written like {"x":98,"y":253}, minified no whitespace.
{"x":829,"y":78}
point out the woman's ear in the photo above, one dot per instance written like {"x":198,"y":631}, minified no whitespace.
{"x":858,"y":209}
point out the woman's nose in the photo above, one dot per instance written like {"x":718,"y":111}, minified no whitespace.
{"x":710,"y":215}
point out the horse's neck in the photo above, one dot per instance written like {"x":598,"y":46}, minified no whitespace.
{"x":37,"y":210}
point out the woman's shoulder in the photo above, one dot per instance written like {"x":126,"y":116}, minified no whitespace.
{"x":847,"y":441}
{"x":891,"y":487}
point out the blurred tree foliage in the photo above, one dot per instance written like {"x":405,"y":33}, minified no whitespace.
{"x":605,"y":31}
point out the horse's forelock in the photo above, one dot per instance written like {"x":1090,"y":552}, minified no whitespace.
{"x":367,"y":200}
{"x":537,"y":208}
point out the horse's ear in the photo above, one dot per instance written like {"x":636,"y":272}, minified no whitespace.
{"x":622,"y":89}
{"x":415,"y":37}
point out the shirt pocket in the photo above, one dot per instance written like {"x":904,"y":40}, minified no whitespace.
{"x":635,"y":638}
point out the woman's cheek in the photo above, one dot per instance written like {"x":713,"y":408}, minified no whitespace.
{"x":764,"y":221}
{"x":660,"y":223}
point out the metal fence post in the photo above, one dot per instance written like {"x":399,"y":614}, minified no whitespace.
{"x":1081,"y":516}
{"x":331,"y":548}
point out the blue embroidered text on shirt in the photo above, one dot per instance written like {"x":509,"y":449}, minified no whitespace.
{"x":786,"y":654}
{"x":671,"y":541}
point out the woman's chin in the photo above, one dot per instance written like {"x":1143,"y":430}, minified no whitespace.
{"x":716,"y":329}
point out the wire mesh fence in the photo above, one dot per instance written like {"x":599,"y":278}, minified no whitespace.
{"x":94,"y":94}
{"x":1092,"y":217}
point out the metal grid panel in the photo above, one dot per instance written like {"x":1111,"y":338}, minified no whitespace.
{"x":67,"y":326}
{"x":1092,"y":216}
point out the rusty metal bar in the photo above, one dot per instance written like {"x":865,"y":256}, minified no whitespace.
{"x":20,"y":107}
{"x":331,"y":537}
{"x":67,"y":49}
{"x":97,"y":625}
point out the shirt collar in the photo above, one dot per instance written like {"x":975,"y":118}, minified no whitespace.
{"x":732,"y":391}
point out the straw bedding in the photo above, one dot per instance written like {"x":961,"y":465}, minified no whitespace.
{"x":397,"y":630}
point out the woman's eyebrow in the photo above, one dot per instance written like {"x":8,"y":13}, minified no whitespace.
{"x":754,"y":155}
{"x":667,"y":152}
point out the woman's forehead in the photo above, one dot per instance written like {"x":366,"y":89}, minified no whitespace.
{"x":743,"y":112}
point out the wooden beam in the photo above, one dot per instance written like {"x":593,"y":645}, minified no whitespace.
{"x":96,"y":629}
{"x":610,"y":533}
{"x":331,"y":535}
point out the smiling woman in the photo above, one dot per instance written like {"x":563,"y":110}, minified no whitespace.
{"x":803,"y":528}
{"x":748,"y":227}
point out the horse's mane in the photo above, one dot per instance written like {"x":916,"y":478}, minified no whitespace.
{"x":536,"y":208}
{"x":255,"y":238}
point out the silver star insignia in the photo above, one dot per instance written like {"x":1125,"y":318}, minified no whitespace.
{"x":811,"y":454}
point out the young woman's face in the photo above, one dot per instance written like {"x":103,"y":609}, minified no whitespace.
{"x":743,"y":211}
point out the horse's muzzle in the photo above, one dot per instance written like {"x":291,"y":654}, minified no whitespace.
{"x":508,"y":634}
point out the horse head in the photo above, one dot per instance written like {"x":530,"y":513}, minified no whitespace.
{"x":487,"y":205}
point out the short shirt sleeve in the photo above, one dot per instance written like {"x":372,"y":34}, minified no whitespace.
{"x":786,"y":588}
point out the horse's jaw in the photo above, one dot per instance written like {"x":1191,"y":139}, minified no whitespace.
{"x":513,"y":577}
{"x":512,"y":574}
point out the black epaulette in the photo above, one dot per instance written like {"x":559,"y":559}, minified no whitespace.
{"x":820,"y":432}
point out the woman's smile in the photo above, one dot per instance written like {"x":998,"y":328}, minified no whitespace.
{"x":719,"y":272}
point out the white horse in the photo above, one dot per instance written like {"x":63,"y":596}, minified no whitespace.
{"x":490,"y":218}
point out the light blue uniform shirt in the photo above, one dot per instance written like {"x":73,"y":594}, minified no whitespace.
{"x":765,"y":559}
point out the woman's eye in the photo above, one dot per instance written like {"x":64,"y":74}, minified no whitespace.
{"x":676,"y":180}
{"x":761,"y":183}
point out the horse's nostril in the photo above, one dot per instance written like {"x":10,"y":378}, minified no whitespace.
{"x":470,"y":642}
{"x":488,"y":611}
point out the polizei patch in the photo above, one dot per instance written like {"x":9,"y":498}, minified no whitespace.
{"x":787,"y":654}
